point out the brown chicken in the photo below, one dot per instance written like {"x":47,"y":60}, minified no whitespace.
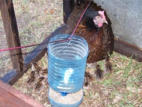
{"x":95,"y":27}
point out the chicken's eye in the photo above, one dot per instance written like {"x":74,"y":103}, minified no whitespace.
{"x":98,"y":17}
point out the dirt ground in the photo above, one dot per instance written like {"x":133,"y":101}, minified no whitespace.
{"x":121,"y":88}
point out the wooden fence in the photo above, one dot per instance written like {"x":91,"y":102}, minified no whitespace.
{"x":20,"y":64}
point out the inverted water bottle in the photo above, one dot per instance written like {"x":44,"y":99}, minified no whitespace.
{"x":67,"y":63}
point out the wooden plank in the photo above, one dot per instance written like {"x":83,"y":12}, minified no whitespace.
{"x":0,"y":4}
{"x":11,"y":30}
{"x":128,"y":49}
{"x":9,"y":76}
{"x":9,"y":97}
{"x":17,"y":76}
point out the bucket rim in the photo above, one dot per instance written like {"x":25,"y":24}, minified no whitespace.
{"x":66,"y":36}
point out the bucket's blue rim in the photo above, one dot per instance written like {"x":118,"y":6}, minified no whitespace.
{"x":68,"y":35}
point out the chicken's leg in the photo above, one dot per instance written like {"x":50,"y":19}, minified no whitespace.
{"x":108,"y":66}
{"x":88,"y":78}
{"x":98,"y":72}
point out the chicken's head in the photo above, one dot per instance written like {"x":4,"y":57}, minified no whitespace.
{"x":100,"y":19}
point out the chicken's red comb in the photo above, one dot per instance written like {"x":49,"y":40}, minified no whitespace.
{"x":102,"y":14}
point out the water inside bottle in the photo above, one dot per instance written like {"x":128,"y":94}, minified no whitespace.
{"x":67,"y":63}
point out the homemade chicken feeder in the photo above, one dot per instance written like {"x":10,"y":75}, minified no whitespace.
{"x":66,"y":70}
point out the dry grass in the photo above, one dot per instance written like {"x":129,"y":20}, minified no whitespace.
{"x":121,"y":88}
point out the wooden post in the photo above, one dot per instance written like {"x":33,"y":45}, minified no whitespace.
{"x":127,"y":49}
{"x":11,"y":30}
{"x":68,"y":6}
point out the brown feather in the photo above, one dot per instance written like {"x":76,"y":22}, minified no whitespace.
{"x":100,"y":41}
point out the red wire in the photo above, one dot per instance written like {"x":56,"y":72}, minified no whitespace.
{"x":19,"y":47}
{"x":69,"y":38}
{"x":80,"y":19}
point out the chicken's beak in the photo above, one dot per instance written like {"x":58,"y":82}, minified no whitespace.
{"x":105,"y":22}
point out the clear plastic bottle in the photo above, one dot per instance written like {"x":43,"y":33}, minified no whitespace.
{"x":67,"y":63}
